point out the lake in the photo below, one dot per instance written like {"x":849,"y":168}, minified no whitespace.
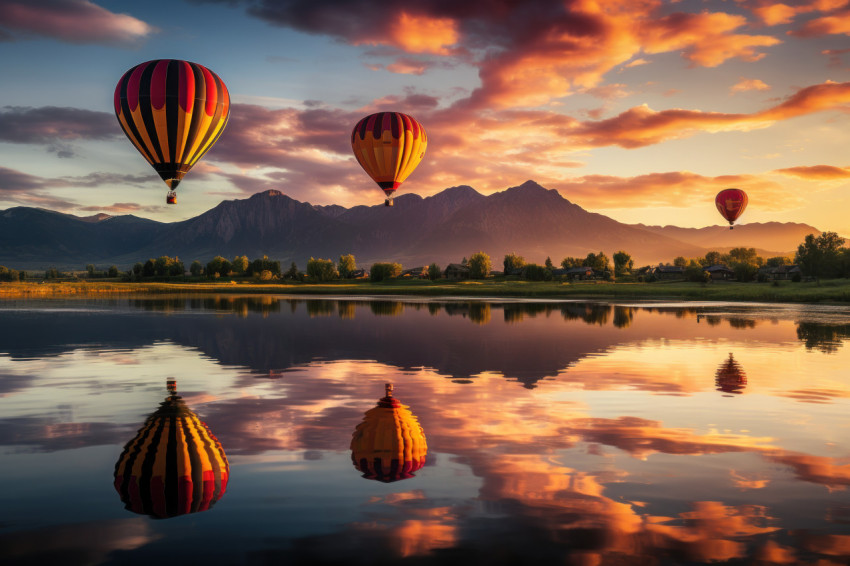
{"x":538,"y":432}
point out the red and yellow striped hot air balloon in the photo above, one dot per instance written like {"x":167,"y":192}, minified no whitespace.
{"x":389,"y":146}
{"x":174,"y":465}
{"x":731,"y":204}
{"x":389,"y":444}
{"x":173,"y":111}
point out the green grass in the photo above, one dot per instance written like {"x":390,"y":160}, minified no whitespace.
{"x":831,"y":291}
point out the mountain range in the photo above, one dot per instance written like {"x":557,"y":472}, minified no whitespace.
{"x":529,"y":220}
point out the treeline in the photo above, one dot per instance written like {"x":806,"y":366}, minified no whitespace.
{"x":823,"y":256}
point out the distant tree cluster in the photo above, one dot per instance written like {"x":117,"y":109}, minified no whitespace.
{"x":7,"y":274}
{"x":823,"y":256}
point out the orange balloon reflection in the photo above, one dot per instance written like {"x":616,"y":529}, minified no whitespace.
{"x":174,"y":465}
{"x":730,"y":377}
{"x":389,"y":444}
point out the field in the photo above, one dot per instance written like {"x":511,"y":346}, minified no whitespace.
{"x":827,"y":291}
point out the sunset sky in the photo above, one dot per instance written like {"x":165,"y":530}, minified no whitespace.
{"x":641,"y":110}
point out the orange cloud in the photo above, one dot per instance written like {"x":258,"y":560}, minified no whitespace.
{"x":750,"y":84}
{"x":816,"y":172}
{"x":706,"y":39}
{"x":828,"y":25}
{"x":776,"y":14}
{"x":419,"y":33}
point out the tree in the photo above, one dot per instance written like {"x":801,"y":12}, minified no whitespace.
{"x":479,"y":266}
{"x":570,"y":262}
{"x":711,"y":258}
{"x":264,"y":264}
{"x":196,"y":268}
{"x":534,"y":272}
{"x":240,"y":265}
{"x":434,"y":272}
{"x":292,"y":272}
{"x":513,"y":263}
{"x":90,"y":270}
{"x":745,"y":255}
{"x":680,"y":261}
{"x":321,"y":270}
{"x":623,"y":263}
{"x":820,"y":256}
{"x":218,"y":267}
{"x":113,"y":271}
{"x":346,"y":266}
{"x":548,"y":263}
{"x":384,"y":271}
{"x":597,"y":262}
{"x":148,"y":270}
{"x":777,"y":261}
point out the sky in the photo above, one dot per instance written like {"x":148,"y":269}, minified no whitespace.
{"x":641,"y":110}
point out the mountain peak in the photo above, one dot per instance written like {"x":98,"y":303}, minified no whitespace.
{"x":267,"y":194}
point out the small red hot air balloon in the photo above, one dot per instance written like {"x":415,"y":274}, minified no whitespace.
{"x":174,"y":465}
{"x":731,"y":204}
{"x":173,"y":111}
{"x":389,"y":444}
{"x":389,"y":146}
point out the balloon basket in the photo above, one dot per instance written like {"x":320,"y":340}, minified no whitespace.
{"x":171,"y":198}
{"x":388,"y":202}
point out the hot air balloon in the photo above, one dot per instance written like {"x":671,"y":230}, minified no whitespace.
{"x":174,"y":465}
{"x":389,"y":444}
{"x":173,"y":111}
{"x":730,"y":377}
{"x":389,"y":146}
{"x":731,"y":204}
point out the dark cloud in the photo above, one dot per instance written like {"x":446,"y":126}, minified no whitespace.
{"x":52,"y":125}
{"x":12,"y":181}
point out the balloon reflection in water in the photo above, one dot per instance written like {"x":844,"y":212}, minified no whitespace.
{"x":174,"y":465}
{"x":389,"y":444}
{"x":730,"y":377}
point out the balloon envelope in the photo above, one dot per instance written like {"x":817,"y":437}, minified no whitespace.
{"x":173,"y":466}
{"x":173,"y":112}
{"x":731,"y":203}
{"x":389,"y":444}
{"x":389,"y":146}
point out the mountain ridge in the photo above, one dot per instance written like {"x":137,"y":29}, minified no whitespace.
{"x":527,"y":219}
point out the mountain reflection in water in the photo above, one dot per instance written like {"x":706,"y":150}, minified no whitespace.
{"x":557,"y":432}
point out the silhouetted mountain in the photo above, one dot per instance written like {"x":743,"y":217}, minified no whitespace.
{"x":529,"y":220}
{"x":780,"y":238}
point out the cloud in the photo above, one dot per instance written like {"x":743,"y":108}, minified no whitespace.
{"x":816,"y":172}
{"x":836,"y":24}
{"x":529,"y":53}
{"x":72,"y":21}
{"x":834,"y":55}
{"x":54,"y":126}
{"x":749,"y":84}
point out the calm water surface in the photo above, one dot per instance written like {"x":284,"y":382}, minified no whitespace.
{"x":556,"y":432}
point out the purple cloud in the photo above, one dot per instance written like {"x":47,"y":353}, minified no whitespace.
{"x":72,"y":21}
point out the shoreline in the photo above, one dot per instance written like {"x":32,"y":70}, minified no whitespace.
{"x":835,"y":291}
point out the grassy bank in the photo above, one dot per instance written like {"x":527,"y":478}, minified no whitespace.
{"x":832,"y":291}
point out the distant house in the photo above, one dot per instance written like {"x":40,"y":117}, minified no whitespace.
{"x":358,"y":274}
{"x":719,"y":272}
{"x":415,"y":273}
{"x":560,"y":273}
{"x":456,"y":271}
{"x":669,"y":272}
{"x":580,"y":273}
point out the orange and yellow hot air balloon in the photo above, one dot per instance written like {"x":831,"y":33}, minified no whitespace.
{"x":173,"y":111}
{"x":174,"y":465}
{"x":389,"y":444}
{"x":731,"y":204}
{"x":389,"y":146}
